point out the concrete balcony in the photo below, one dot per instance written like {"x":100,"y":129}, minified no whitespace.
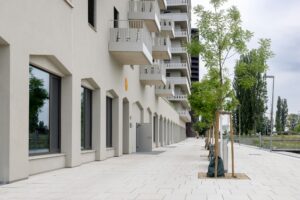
{"x":182,"y":34}
{"x":153,"y":75}
{"x":162,"y":4}
{"x":183,"y":67}
{"x":131,"y":43}
{"x":161,"y":48}
{"x":185,"y":115}
{"x":183,"y":99}
{"x":147,"y":10}
{"x":167,"y":27}
{"x":165,"y":91}
{"x":176,"y":17}
{"x":182,"y":82}
{"x":182,"y":51}
{"x":180,"y":18}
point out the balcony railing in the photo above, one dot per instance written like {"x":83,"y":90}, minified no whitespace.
{"x":128,"y":41}
{"x":153,"y":74}
{"x":176,"y":17}
{"x":168,"y":27}
{"x":178,"y":50}
{"x":147,"y":10}
{"x":161,"y":48}
{"x":181,"y":81}
{"x":176,"y":66}
{"x":181,"y":33}
{"x":178,"y":98}
{"x":177,"y":2}
{"x":165,"y":91}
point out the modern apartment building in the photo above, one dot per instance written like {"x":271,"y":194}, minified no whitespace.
{"x":87,"y":80}
{"x":194,"y":78}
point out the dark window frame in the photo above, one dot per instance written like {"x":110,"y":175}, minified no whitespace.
{"x":57,"y":117}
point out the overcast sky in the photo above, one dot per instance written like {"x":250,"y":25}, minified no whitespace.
{"x":278,"y":20}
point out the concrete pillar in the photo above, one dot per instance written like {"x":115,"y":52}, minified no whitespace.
{"x":101,"y":139}
{"x":70,"y":120}
{"x":126,"y":126}
{"x":117,"y":135}
{"x":96,"y":129}
{"x":14,"y":113}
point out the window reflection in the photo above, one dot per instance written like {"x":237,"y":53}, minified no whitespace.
{"x":39,"y":140}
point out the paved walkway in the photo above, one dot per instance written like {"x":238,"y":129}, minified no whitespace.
{"x":168,"y":174}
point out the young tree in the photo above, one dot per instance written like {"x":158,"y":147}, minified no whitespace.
{"x":221,"y":36}
{"x":293,"y":121}
{"x":284,"y":114}
{"x":278,"y":115}
{"x":251,"y":87}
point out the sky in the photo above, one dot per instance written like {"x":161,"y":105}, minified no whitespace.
{"x":278,"y":20}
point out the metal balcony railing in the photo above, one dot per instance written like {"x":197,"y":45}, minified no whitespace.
{"x":177,"y":2}
{"x":181,"y":33}
{"x":144,"y":6}
{"x":178,"y":50}
{"x":167,"y":24}
{"x":178,"y":98}
{"x":153,"y":74}
{"x":176,"y":66}
{"x":161,"y":41}
{"x":131,"y":31}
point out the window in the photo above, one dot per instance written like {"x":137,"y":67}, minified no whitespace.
{"x":91,"y":12}
{"x":154,"y":128}
{"x":116,"y":18}
{"x":44,"y":112}
{"x":86,"y":118}
{"x":109,"y":122}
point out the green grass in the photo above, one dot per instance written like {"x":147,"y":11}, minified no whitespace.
{"x":278,"y":141}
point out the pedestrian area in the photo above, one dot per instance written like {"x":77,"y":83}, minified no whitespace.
{"x":168,"y":173}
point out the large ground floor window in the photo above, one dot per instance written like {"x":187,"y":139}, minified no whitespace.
{"x":86,"y":118}
{"x":44,"y":111}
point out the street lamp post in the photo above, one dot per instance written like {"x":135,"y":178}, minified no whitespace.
{"x":272,"y":126}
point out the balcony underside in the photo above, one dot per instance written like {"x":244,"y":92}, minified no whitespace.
{"x":130,"y":54}
{"x":161,"y":53}
{"x":183,"y":102}
{"x":153,"y":80}
{"x":168,"y":32}
{"x":185,"y":118}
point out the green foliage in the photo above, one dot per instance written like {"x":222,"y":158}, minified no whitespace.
{"x":293,"y":121}
{"x":204,"y":98}
{"x":297,"y":129}
{"x":221,"y":36}
{"x":284,"y":114}
{"x":251,"y":88}
{"x":278,"y":116}
{"x":281,"y":115}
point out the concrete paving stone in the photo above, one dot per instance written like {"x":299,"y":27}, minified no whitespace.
{"x":150,"y":196}
{"x":236,"y":197}
{"x":171,"y":175}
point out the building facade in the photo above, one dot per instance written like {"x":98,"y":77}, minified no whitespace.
{"x":194,"y":78}
{"x":86,"y":80}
